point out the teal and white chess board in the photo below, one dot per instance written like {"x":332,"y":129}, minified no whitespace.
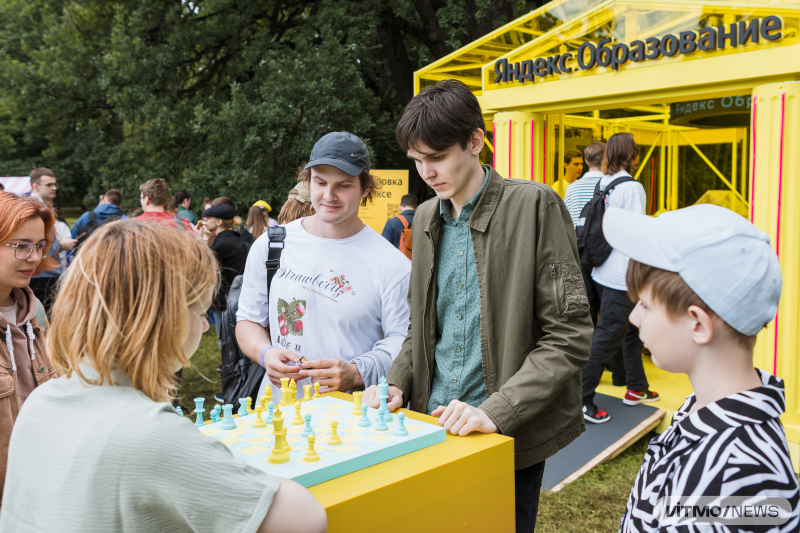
{"x":361,"y":447}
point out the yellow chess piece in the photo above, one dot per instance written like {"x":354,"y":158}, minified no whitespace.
{"x":288,"y":397}
{"x":312,"y":453}
{"x":268,"y":394}
{"x":249,"y":403}
{"x":316,"y":391}
{"x":259,"y":423}
{"x":334,"y":440}
{"x":306,"y":393}
{"x":293,"y":386}
{"x":263,"y":402}
{"x":356,"y":404}
{"x":297,"y":420}
{"x":284,"y":388}
{"x":280,"y":453}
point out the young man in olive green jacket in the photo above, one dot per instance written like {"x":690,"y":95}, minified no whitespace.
{"x":500,"y":326}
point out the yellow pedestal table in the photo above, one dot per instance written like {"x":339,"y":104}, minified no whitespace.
{"x":462,"y":484}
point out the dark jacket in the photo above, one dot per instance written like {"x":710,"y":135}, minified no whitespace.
{"x":393,"y":227}
{"x":536,"y":332}
{"x":102,"y":212}
{"x":231,"y":255}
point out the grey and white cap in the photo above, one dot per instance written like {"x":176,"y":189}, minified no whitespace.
{"x":725,"y":260}
{"x":342,"y":150}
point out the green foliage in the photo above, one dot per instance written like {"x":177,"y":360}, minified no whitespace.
{"x":219,"y":97}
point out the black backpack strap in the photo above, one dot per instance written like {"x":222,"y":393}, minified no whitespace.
{"x":92,"y":217}
{"x":621,"y":179}
{"x":276,"y":236}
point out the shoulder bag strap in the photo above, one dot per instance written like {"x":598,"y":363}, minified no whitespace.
{"x":404,"y":221}
{"x":276,"y":235}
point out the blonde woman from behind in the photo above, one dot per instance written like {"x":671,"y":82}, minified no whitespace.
{"x":102,"y":444}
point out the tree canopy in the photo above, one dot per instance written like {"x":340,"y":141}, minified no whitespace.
{"x":219,"y":97}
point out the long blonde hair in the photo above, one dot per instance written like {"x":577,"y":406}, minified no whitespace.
{"x":123,"y":304}
{"x":256,"y":221}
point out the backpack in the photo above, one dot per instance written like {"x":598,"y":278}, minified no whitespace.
{"x":85,"y":231}
{"x":592,"y":244}
{"x":241,"y":377}
{"x":405,"y":237}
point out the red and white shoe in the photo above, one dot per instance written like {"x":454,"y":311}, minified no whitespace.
{"x":635,"y":398}
{"x":594,"y":415}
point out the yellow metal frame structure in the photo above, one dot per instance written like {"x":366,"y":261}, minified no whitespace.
{"x":527,"y":121}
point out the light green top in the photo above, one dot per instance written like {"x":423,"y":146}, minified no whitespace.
{"x":188,"y":215}
{"x":107,"y":458}
{"x":458,"y":373}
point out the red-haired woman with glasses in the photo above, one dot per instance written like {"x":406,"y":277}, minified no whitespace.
{"x":26,"y":234}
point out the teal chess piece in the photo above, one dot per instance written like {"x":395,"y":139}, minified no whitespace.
{"x":180,"y":411}
{"x":243,"y":407}
{"x":198,"y":402}
{"x":401,"y":430}
{"x":364,"y":421}
{"x":270,"y":415}
{"x":307,"y":430}
{"x":383,"y":395}
{"x":228,"y":422}
{"x":216,"y":413}
{"x":380,"y":423}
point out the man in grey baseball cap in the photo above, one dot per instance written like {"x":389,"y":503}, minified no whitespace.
{"x":339,"y":299}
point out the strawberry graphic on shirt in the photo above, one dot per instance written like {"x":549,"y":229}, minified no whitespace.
{"x":289,"y":317}
{"x":343,"y":285}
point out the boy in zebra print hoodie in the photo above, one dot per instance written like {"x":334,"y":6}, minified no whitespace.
{"x":706,"y":281}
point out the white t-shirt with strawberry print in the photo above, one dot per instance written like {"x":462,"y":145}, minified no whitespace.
{"x":331,"y":299}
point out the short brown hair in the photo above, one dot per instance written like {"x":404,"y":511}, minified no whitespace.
{"x":293,"y":209}
{"x":593,"y":154}
{"x":670,"y":290}
{"x":621,"y":152}
{"x":113,"y":196}
{"x":440,"y":116}
{"x":569,"y":155}
{"x":157,"y":190}
{"x":38,"y":173}
{"x":367,"y":180}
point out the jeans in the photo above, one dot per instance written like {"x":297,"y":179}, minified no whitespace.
{"x":527,"y":486}
{"x":612,"y":333}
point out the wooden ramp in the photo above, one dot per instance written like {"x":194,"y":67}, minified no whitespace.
{"x":601,"y":442}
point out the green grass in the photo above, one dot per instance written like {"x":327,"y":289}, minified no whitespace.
{"x":593,"y":503}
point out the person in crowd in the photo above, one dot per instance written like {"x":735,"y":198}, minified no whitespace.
{"x":266,"y":209}
{"x":488,"y":253}
{"x":43,"y":188}
{"x":394,"y":226}
{"x":297,"y":205}
{"x":110,"y":207}
{"x":118,"y":352}
{"x":26,"y":230}
{"x":153,"y":198}
{"x":573,"y":168}
{"x":183,"y":199}
{"x":614,"y":331}
{"x":228,"y":248}
{"x":339,"y":299}
{"x":171,"y":206}
{"x":255,"y":223}
{"x":63,"y":232}
{"x":705,"y":281}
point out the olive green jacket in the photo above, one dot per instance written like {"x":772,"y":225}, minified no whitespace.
{"x":536,"y":332}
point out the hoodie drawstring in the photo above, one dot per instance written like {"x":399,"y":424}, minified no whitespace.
{"x":10,"y":344}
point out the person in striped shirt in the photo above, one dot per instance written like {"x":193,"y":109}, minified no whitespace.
{"x":581,"y":190}
{"x":705,"y":282}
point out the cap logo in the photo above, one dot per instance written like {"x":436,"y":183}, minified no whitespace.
{"x":353,"y":155}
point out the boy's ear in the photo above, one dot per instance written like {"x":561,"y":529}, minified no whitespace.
{"x":702,"y":325}
{"x":477,"y":141}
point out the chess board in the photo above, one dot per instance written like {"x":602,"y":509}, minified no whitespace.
{"x":361,"y":447}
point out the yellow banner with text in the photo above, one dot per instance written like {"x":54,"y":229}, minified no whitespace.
{"x":386,"y":202}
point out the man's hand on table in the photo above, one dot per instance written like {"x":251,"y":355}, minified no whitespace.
{"x":461,"y":419}
{"x":335,"y":374}
{"x":394,"y":401}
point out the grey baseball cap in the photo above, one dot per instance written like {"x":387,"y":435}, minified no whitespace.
{"x":342,"y":150}
{"x":726,"y":260}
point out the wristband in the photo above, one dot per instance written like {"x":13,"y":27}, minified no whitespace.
{"x":263,"y":353}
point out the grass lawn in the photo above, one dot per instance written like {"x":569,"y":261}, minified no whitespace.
{"x":593,"y":503}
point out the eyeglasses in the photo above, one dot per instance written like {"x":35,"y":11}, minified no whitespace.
{"x":24,"y":250}
{"x":142,"y":197}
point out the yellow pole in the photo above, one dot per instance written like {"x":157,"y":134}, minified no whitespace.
{"x":716,"y":171}
{"x":562,"y":134}
{"x":662,"y":177}
{"x":744,"y":160}
{"x":674,"y":177}
{"x":734,"y":145}
{"x":647,"y":157}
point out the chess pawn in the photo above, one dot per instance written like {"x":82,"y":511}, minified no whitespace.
{"x":249,"y":403}
{"x":334,"y":440}
{"x":306,"y":393}
{"x":293,"y":386}
{"x":380,"y":423}
{"x":263,"y":401}
{"x":312,"y":453}
{"x":298,"y":418}
{"x":270,"y":416}
{"x":401,"y":430}
{"x":307,"y":430}
{"x":316,"y":391}
{"x":364,"y":422}
{"x":259,"y":422}
{"x":356,"y":404}
{"x":268,"y":394}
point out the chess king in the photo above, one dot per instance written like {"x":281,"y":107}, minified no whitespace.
{"x":496,"y":277}
{"x":339,"y":298}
